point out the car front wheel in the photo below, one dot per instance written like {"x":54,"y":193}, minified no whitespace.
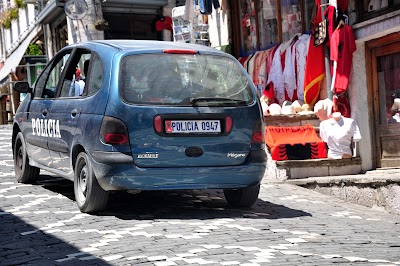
{"x":244,"y":197}
{"x":24,"y":172}
{"x":89,"y":196}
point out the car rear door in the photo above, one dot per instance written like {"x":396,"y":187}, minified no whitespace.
{"x":66,"y":109}
{"x":188,"y":110}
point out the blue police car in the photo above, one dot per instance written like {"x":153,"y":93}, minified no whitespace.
{"x":142,"y":115}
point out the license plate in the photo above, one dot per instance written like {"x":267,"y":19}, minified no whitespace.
{"x":192,"y":126}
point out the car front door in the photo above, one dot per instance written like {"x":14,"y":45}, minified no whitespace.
{"x":38,"y":125}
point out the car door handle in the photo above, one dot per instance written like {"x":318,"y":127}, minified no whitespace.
{"x":44,"y":112}
{"x":74,"y":112}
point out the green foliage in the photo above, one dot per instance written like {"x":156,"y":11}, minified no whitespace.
{"x":14,"y":12}
{"x":20,"y":3}
{"x":33,"y":49}
{"x":8,"y":15}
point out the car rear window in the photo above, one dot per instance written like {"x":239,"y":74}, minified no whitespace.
{"x":184,"y":79}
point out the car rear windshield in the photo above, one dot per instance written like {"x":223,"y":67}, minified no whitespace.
{"x":184,"y":80}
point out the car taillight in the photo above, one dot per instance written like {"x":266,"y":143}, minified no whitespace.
{"x":258,"y":133}
{"x":113,"y":131}
{"x":117,"y":139}
{"x":228,"y":124}
{"x":179,"y":51}
{"x":157,"y":123}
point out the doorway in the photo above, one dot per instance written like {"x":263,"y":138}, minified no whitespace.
{"x":384,"y":87}
{"x":129,"y":26}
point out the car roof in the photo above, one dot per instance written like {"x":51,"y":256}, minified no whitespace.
{"x":148,"y":45}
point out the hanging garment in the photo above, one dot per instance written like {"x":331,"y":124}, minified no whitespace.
{"x":242,"y":60}
{"x":269,"y":86}
{"x":246,"y":63}
{"x":315,"y":65}
{"x":164,"y":23}
{"x":250,"y":65}
{"x":301,"y":56}
{"x":330,"y":15}
{"x":224,"y":5}
{"x":341,"y":104}
{"x":342,"y":47}
{"x":276,"y":76}
{"x":289,"y":73}
{"x":254,"y":74}
{"x":342,"y":5}
{"x":207,"y":5}
{"x":260,"y":68}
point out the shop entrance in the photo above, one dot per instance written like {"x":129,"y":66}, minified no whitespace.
{"x":384,"y":84}
{"x":129,"y":26}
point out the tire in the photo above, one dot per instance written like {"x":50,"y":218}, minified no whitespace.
{"x":89,"y":196}
{"x":244,"y":197}
{"x":24,"y":172}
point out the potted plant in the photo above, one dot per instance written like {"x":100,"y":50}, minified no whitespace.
{"x":101,"y":24}
{"x":7,"y":16}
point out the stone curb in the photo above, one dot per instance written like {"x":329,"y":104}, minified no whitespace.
{"x":365,"y":179}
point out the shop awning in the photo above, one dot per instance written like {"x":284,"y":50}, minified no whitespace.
{"x":13,"y":60}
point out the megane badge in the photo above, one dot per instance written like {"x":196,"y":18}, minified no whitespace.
{"x":236,"y":155}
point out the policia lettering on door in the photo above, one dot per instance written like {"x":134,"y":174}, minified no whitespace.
{"x":46,"y":128}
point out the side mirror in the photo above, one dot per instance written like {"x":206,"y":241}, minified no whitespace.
{"x":22,"y":87}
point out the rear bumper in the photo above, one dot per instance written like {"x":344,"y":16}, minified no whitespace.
{"x":113,"y":174}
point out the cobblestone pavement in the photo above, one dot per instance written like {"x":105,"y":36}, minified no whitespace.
{"x":40,"y":224}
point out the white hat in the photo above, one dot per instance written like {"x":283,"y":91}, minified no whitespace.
{"x":288,"y":108}
{"x":297,"y":106}
{"x":275,"y":109}
{"x":265,"y":108}
{"x":323,"y":109}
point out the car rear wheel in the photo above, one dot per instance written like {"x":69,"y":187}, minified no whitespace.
{"x":89,"y":196}
{"x":24,"y":172}
{"x":244,"y":197}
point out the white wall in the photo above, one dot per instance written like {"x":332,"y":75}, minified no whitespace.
{"x":358,"y":94}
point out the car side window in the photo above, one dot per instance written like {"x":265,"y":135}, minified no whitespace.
{"x":75,"y":76}
{"x":95,"y":76}
{"x":46,"y":84}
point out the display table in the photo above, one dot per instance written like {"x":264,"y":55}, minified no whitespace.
{"x":294,"y":143}
{"x":286,"y":167}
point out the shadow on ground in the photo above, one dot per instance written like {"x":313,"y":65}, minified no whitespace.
{"x":19,"y":247}
{"x":176,"y":204}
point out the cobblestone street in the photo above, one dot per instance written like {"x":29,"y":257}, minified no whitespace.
{"x":40,"y":224}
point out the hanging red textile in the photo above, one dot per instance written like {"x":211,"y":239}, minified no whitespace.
{"x":269,"y":88}
{"x":330,"y":15}
{"x":315,"y":65}
{"x":341,"y":104}
{"x":342,"y":47}
{"x":342,"y":5}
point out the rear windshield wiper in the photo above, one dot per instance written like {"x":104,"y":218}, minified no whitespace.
{"x":218,"y":100}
